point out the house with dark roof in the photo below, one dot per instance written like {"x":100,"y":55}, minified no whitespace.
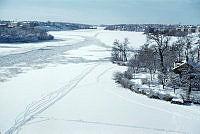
{"x":190,"y":71}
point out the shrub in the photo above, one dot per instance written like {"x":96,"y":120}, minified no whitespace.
{"x":128,"y":74}
{"x":177,"y":101}
{"x":153,"y":95}
{"x":145,"y":81}
{"x":118,"y":76}
{"x":166,"y":97}
{"x":126,"y":83}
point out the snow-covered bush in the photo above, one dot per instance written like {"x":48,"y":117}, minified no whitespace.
{"x":126,"y":83}
{"x":177,"y":101}
{"x":118,"y":76}
{"x":120,"y":63}
{"x":153,"y":95}
{"x":166,"y":97}
{"x":128,"y":74}
{"x":145,"y":81}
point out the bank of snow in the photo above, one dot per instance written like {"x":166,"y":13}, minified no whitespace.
{"x":136,"y":39}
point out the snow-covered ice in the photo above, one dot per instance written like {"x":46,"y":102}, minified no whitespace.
{"x":136,"y":39}
{"x":74,"y":92}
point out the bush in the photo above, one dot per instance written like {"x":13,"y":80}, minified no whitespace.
{"x":126,"y":83}
{"x":118,"y":76}
{"x":145,"y":81}
{"x":128,"y":74}
{"x":177,"y":101}
{"x":153,"y":95}
{"x":166,"y":97}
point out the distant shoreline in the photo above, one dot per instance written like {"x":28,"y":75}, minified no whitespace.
{"x":22,"y":35}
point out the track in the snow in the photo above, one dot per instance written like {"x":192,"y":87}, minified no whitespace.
{"x":44,"y":103}
{"x":43,"y":119}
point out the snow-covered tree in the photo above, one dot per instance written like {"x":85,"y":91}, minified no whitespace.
{"x":146,"y":56}
{"x":115,"y":55}
{"x":119,"y":50}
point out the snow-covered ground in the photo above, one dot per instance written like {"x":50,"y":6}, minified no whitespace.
{"x":136,"y":39}
{"x":67,"y":87}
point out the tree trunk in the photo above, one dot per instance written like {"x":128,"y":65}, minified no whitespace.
{"x":189,"y":89}
{"x":162,"y":61}
{"x":162,"y":67}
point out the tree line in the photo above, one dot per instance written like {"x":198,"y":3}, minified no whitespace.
{"x":158,"y":56}
{"x":18,"y":34}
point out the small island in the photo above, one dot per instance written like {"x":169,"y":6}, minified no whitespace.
{"x":34,"y":31}
{"x":23,"y":34}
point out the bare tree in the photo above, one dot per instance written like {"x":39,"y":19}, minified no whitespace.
{"x":134,"y":64}
{"x":125,"y":49}
{"x":119,"y":50}
{"x":178,"y":47}
{"x":146,"y":58}
{"x":160,"y":42}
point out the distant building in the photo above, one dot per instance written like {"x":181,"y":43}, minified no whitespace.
{"x":26,"y":24}
{"x":184,"y":29}
{"x":179,"y":29}
{"x":13,"y":24}
{"x":2,"y":26}
{"x":198,"y":29}
{"x":192,"y":29}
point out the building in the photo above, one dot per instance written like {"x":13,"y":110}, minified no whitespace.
{"x":182,"y":67}
{"x":179,"y":29}
{"x":189,"y":78}
{"x":188,"y":71}
{"x":2,"y":26}
{"x":13,"y":24}
{"x":192,"y":29}
{"x":198,"y":29}
{"x":25,"y":24}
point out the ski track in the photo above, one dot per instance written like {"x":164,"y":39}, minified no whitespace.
{"x":151,"y":107}
{"x":44,"y":103}
{"x":44,"y":119}
{"x":106,"y":70}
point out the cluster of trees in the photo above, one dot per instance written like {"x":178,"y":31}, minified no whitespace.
{"x":160,"y":53}
{"x":119,"y":50}
{"x":127,"y":27}
{"x":16,"y":34}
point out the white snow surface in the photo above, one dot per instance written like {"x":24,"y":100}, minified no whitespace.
{"x":60,"y":40}
{"x":136,"y":39}
{"x":78,"y":95}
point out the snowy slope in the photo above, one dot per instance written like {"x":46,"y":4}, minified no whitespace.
{"x":74,"y":93}
{"x":136,"y":39}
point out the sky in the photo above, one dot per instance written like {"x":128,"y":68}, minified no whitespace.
{"x":103,"y":11}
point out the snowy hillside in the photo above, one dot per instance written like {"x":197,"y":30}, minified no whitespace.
{"x":66,"y":86}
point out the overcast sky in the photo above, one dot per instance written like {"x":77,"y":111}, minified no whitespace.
{"x":103,"y":11}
